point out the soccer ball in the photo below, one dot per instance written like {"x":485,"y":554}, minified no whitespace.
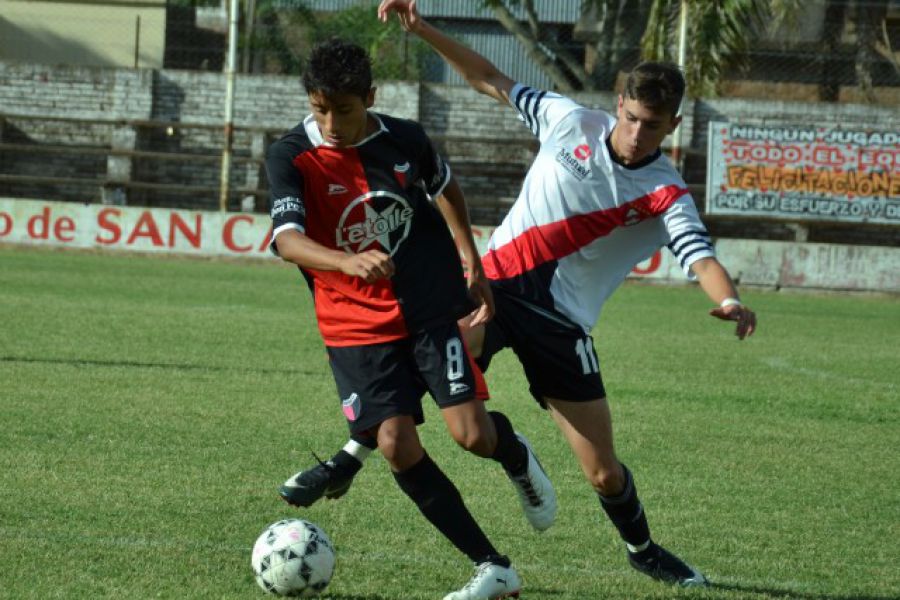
{"x":293,"y":557}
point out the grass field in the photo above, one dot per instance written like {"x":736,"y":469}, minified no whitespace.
{"x":151,"y":406}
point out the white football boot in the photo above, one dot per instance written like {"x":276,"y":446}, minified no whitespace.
{"x":490,"y":582}
{"x":536,"y":493}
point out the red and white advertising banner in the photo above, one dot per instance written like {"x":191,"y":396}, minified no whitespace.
{"x":804,"y":172}
{"x":73,"y":225}
{"x":191,"y":232}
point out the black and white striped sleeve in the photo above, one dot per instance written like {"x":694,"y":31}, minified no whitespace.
{"x":540,"y":110}
{"x":688,"y":239}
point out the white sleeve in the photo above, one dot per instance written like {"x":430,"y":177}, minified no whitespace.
{"x":688,"y":239}
{"x":541,"y":110}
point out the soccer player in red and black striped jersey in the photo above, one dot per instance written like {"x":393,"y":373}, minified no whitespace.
{"x":361,"y":203}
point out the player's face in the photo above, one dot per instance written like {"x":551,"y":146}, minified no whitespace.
{"x":343,"y":119}
{"x":640,"y":130}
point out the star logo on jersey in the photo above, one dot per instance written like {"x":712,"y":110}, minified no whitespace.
{"x":400,"y":172}
{"x":376,"y":220}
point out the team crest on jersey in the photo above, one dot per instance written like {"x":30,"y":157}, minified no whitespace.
{"x":400,"y":172}
{"x":376,"y":220}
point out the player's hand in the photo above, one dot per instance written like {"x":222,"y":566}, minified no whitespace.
{"x":370,"y":265}
{"x":480,"y":292}
{"x":406,"y":11}
{"x":746,"y":318}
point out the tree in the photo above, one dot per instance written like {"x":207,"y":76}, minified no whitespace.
{"x":721,"y":32}
{"x":720,"y":37}
{"x":286,"y":30}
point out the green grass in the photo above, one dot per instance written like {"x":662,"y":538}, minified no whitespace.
{"x":151,"y":406}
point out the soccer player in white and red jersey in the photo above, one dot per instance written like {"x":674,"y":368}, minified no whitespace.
{"x":357,"y":204}
{"x":599,"y":198}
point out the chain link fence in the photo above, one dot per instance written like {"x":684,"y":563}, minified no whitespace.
{"x":842,"y":56}
{"x":823,"y":50}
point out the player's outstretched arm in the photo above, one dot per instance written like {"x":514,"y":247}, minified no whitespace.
{"x":478,"y":71}
{"x":717,"y":284}
{"x":452,"y":205}
{"x":299,"y":249}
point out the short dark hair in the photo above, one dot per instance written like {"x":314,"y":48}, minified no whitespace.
{"x":338,"y":67}
{"x":656,"y":85}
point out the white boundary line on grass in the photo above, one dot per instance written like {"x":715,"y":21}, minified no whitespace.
{"x":783,"y":364}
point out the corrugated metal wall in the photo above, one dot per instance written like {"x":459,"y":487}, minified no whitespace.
{"x":549,"y":11}
{"x":494,"y":42}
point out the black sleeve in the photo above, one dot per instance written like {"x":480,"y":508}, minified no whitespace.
{"x":435,"y":172}
{"x":287,"y":208}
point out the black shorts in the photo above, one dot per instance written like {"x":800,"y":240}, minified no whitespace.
{"x":379,"y":381}
{"x":558,"y":357}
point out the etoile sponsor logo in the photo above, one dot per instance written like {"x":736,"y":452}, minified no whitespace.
{"x":377,"y":219}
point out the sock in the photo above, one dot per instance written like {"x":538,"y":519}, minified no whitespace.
{"x":364,"y":439}
{"x":358,"y":450}
{"x":510,"y":452}
{"x":440,"y":502}
{"x":350,"y":458}
{"x":345,"y":463}
{"x":627,"y":514}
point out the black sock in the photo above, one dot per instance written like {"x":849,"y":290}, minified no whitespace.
{"x":346,"y":463}
{"x":439,"y":501}
{"x":365,"y":439}
{"x":627,"y":514}
{"x":510,"y":452}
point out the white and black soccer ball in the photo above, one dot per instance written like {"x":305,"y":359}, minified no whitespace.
{"x":293,"y":557}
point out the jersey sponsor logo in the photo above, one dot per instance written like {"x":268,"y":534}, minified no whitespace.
{"x":351,"y":406}
{"x":400,"y":172}
{"x":336,"y":188}
{"x":376,"y":218}
{"x":583,"y":152}
{"x":572,"y":164}
{"x":287,"y":204}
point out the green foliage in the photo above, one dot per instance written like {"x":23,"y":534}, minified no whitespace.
{"x":152,"y":405}
{"x":719,"y":35}
{"x":393,"y":54}
{"x":288,"y":34}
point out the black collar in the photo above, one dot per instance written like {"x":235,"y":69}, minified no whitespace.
{"x":641,"y":163}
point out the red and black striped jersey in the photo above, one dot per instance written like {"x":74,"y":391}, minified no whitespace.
{"x":377,"y":194}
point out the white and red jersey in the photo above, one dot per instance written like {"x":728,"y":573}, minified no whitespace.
{"x":582,"y":220}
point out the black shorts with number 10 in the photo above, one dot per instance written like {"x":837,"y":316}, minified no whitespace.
{"x":558,"y":357}
{"x":379,"y":381}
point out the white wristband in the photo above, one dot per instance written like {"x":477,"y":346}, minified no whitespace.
{"x":730,"y":302}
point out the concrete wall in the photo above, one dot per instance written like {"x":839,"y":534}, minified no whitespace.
{"x":488,"y":147}
{"x":90,"y":33}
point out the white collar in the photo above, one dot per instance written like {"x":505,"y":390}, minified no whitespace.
{"x":315,"y":136}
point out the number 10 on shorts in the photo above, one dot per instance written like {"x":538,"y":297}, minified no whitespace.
{"x":584,"y":348}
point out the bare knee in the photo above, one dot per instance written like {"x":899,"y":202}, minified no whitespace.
{"x":476,"y":440}
{"x":399,"y":445}
{"x":607,"y":481}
